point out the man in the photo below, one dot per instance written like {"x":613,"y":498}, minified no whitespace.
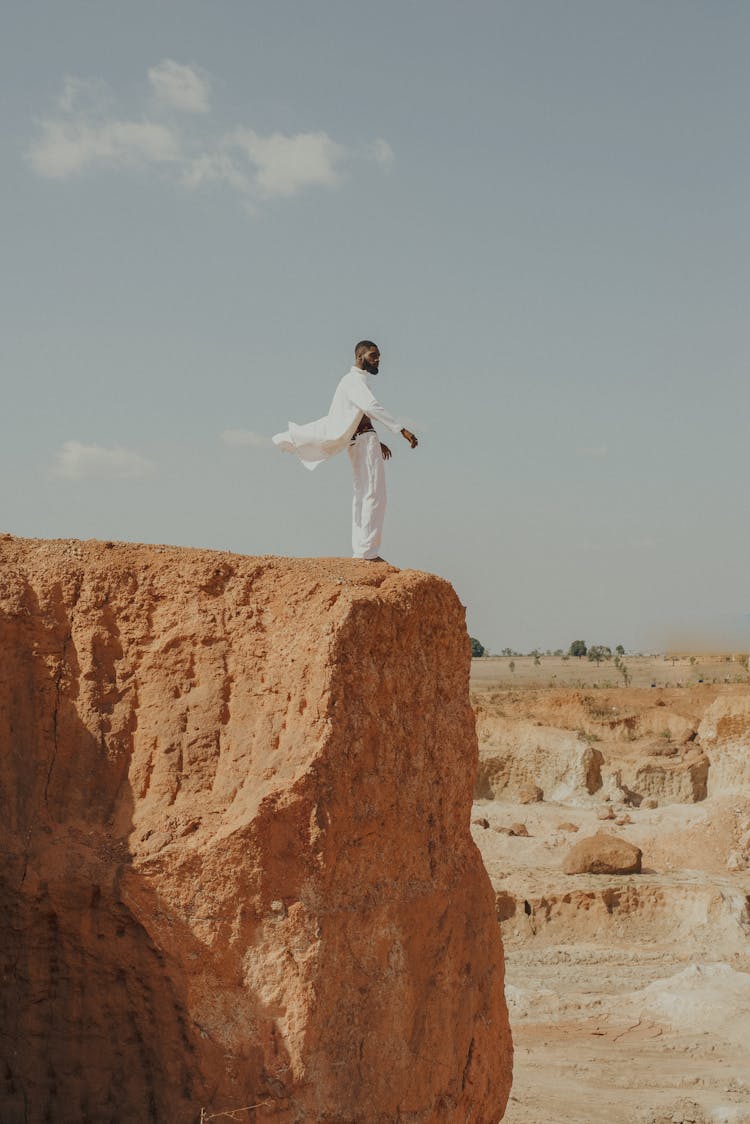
{"x":348,"y":424}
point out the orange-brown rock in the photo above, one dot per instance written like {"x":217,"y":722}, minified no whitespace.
{"x":237,"y":860}
{"x":603,"y":854}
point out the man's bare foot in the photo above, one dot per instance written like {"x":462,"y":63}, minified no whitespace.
{"x":378,"y":559}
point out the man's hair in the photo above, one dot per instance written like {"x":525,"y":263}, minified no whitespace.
{"x":363,"y":345}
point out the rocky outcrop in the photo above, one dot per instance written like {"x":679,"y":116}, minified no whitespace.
{"x":521,"y":757}
{"x":237,"y":861}
{"x":675,"y":780}
{"x":725,"y":736}
{"x":603,"y":854}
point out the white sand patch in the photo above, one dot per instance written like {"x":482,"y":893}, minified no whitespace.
{"x":702,"y":998}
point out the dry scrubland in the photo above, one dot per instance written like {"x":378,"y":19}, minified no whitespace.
{"x":644,"y":671}
{"x":629,"y":994}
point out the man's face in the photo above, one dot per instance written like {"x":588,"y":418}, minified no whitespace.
{"x":371,"y":361}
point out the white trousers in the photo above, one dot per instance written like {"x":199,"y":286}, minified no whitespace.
{"x":368,"y":507}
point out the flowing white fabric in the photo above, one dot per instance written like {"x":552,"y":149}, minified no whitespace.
{"x":368,"y":506}
{"x":318,"y":440}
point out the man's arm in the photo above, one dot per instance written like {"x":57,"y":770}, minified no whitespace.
{"x":365,"y":400}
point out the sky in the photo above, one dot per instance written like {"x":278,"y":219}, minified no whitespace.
{"x":539,"y":211}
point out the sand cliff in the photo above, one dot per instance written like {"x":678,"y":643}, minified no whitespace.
{"x":237,"y":862}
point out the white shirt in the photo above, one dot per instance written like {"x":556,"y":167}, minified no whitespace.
{"x":318,"y":440}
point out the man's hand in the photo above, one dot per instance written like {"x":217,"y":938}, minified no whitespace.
{"x":405,"y":433}
{"x":385,"y":451}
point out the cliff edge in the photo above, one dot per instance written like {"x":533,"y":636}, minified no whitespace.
{"x":237,"y":866}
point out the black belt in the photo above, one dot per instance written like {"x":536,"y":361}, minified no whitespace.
{"x":365,"y":426}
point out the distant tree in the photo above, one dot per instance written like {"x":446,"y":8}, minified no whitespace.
{"x":507,"y":652}
{"x":558,"y":652}
{"x":577,"y":648}
{"x":599,"y":652}
{"x":477,"y":649}
{"x":620,"y":650}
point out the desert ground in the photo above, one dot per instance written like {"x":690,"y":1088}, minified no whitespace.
{"x":629,"y":994}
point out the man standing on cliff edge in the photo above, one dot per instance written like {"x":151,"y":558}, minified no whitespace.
{"x":348,"y":423}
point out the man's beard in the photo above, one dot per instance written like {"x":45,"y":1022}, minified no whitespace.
{"x":371,"y":368}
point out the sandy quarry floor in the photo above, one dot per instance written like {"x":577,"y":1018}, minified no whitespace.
{"x":629,"y":995}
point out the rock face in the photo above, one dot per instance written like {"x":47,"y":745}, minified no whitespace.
{"x":237,"y":861}
{"x":521,"y":757}
{"x":603,"y":854}
{"x":725,"y":736}
{"x":681,"y":781}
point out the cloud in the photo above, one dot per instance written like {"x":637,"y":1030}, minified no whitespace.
{"x":285,"y":164}
{"x":592,"y":451}
{"x":245,"y":438}
{"x":82,"y":92}
{"x":217,"y":167}
{"x":79,"y":462}
{"x":67,"y":146}
{"x":85,"y":133}
{"x":380,"y":151}
{"x":180,"y":87}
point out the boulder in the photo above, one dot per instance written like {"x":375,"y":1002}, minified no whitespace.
{"x":603,"y":854}
{"x":237,"y":864}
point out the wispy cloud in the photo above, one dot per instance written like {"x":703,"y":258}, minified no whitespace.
{"x":79,"y":462}
{"x":245,"y":438}
{"x":592,"y":451}
{"x":283,"y":165}
{"x":181,"y":87}
{"x":379,"y":151}
{"x":67,"y":146}
{"x":84,"y":132}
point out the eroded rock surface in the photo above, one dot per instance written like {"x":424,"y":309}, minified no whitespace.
{"x":603,"y":854}
{"x":524,"y":758}
{"x":725,"y":735}
{"x":237,"y":860}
